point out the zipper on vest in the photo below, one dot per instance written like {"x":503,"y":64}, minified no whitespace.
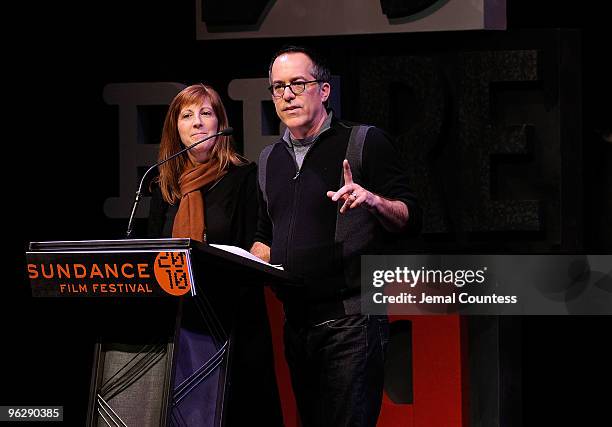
{"x":292,"y":221}
{"x":294,"y":209}
{"x":297,"y":167}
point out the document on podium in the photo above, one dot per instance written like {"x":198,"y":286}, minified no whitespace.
{"x":245,"y":254}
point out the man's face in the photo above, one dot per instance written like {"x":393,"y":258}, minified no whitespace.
{"x":303,"y":113}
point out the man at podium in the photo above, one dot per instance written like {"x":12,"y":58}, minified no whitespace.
{"x":335,"y":353}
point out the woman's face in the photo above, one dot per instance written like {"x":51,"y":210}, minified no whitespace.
{"x":196,"y":122}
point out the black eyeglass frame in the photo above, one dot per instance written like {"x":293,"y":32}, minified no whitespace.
{"x":291,"y":87}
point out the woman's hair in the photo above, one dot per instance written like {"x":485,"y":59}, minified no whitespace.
{"x":223,"y":150}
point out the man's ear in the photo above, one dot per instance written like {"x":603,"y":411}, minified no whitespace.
{"x":325,"y":90}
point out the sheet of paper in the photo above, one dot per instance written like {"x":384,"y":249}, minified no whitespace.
{"x":245,"y":254}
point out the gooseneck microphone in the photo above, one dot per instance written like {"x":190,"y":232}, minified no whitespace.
{"x":226,"y":131}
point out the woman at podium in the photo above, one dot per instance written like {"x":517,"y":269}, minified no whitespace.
{"x":209,"y":194}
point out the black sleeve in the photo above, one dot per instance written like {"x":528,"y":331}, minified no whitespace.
{"x":385,"y":175}
{"x":263,"y":233}
{"x":157,"y":210}
{"x":248,"y":219}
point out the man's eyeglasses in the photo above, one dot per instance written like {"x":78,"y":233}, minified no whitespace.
{"x":278,"y":89}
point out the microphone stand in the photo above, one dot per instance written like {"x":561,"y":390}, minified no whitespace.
{"x":128,"y":234}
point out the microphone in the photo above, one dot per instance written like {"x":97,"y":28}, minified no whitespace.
{"x":226,"y":131}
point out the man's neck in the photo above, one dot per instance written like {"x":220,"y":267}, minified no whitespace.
{"x":298,"y":134}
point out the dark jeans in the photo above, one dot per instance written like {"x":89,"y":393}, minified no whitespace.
{"x":337,"y":370}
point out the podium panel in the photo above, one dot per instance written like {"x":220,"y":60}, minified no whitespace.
{"x":129,"y":385}
{"x":162,"y":353}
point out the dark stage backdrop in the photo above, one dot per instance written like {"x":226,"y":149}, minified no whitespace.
{"x":501,"y":133}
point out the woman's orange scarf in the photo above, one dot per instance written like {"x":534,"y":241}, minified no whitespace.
{"x":189,"y":220}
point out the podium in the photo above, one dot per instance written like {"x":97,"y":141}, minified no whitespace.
{"x":163,"y":310}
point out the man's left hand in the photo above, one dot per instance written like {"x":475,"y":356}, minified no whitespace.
{"x":353,"y":195}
